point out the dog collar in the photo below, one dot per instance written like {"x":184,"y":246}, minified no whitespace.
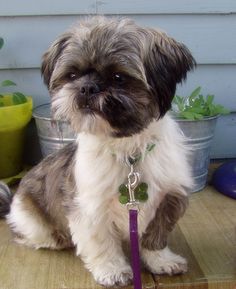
{"x":136,"y":158}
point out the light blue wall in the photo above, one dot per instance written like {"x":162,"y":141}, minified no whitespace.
{"x":207,"y":27}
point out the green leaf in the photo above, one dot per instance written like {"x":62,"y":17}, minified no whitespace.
{"x":225,"y":111}
{"x":201,"y":98}
{"x":179,"y":101}
{"x":191,"y":115}
{"x":195,"y":93}
{"x":187,"y":115}
{"x":219,"y":109}
{"x":1,"y":104}
{"x":1,"y":42}
{"x":198,"y":116}
{"x":210,"y":110}
{"x":18,"y":98}
{"x":7,"y":83}
{"x":209,"y":99}
{"x":196,"y":106}
{"x":196,"y":109}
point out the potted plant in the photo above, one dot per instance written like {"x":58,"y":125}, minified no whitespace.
{"x":197,"y":116}
{"x":15,"y":113}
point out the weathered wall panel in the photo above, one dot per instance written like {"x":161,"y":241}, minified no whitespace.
{"x":207,"y":27}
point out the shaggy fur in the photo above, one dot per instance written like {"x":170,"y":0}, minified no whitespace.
{"x":114,"y":81}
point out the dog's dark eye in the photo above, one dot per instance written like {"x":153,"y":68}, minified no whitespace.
{"x":118,"y":78}
{"x":72,"y":76}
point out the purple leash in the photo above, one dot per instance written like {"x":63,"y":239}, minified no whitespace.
{"x":133,"y":207}
{"x":134,"y":244}
{"x":137,"y":192}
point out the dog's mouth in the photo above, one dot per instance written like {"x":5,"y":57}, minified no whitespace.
{"x":87,"y":109}
{"x":92,"y":105}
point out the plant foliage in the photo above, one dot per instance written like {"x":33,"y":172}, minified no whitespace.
{"x":196,"y":106}
{"x":17,"y":97}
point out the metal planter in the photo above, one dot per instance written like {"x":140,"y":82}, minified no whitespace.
{"x":199,"y":135}
{"x":53,"y":135}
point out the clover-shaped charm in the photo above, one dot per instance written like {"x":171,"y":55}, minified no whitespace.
{"x":140,"y":193}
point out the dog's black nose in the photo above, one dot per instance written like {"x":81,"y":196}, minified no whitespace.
{"x":89,"y":89}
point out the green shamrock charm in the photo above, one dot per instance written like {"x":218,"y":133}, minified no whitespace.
{"x":123,"y":190}
{"x":140,"y":193}
{"x":123,"y":199}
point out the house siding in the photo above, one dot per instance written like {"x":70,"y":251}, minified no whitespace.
{"x":207,"y":27}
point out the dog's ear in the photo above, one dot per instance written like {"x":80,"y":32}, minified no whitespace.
{"x":166,"y":64}
{"x":51,"y":56}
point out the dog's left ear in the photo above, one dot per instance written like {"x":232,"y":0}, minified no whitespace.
{"x":166,"y":64}
{"x":51,"y":56}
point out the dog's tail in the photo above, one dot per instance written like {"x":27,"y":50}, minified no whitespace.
{"x":5,"y":199}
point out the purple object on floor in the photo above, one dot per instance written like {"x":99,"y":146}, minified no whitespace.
{"x":224,"y":179}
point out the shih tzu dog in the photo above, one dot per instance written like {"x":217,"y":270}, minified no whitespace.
{"x":114,"y":81}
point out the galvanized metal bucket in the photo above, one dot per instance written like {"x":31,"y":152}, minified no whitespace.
{"x":53,"y":134}
{"x":199,"y":134}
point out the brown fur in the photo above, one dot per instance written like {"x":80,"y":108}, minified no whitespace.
{"x":52,"y":189}
{"x":5,"y":199}
{"x":171,"y":209}
{"x":150,"y":63}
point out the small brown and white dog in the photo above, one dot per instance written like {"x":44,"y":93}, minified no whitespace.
{"x":114,"y":81}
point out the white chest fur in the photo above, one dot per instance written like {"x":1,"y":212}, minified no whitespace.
{"x":100,"y":169}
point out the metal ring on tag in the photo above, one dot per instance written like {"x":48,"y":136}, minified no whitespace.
{"x":130,"y":160}
{"x":133,"y":179}
{"x":133,"y":206}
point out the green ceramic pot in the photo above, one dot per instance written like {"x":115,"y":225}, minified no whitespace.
{"x":13,"y":121}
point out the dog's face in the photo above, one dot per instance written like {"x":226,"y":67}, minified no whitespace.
{"x":113,"y":77}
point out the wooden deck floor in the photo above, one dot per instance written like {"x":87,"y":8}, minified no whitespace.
{"x":206,"y":236}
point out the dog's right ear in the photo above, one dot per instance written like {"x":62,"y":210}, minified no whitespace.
{"x":51,"y":56}
{"x":167,"y":63}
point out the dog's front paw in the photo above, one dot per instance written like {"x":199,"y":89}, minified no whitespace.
{"x":113,"y":275}
{"x":164,"y":262}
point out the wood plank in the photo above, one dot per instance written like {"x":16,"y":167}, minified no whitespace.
{"x":62,"y":7}
{"x":25,"y":50}
{"x":194,"y":278}
{"x":44,"y":7}
{"x":207,"y":28}
{"x":223,"y":209}
{"x":214,"y":251}
{"x":26,"y":268}
{"x":30,"y":82}
{"x":206,"y":236}
{"x":165,"y":7}
{"x":224,"y":140}
{"x":224,"y":143}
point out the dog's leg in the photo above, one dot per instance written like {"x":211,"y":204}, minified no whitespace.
{"x":156,"y":255}
{"x":99,"y":244}
{"x":164,"y":261}
{"x":31,"y":227}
